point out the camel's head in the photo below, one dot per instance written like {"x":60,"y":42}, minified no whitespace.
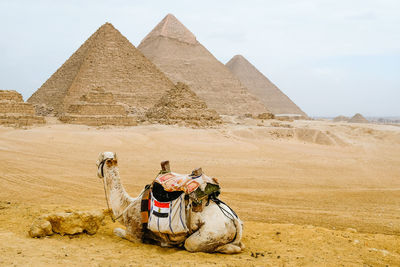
{"x":108,"y":158}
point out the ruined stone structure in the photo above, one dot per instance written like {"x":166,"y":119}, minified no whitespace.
{"x":259,"y":85}
{"x":175,"y":50}
{"x":107,"y":60}
{"x":181,"y":105}
{"x":358,"y":118}
{"x":97,"y":108}
{"x":15,"y":112}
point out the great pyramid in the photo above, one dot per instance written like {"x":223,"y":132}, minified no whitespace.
{"x":107,"y":60}
{"x":358,"y":118}
{"x":175,"y":50}
{"x":97,"y":108}
{"x":15,"y":112}
{"x":181,"y":105}
{"x":259,"y":85}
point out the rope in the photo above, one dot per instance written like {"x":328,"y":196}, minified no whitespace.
{"x":107,"y":200}
{"x":231,"y":215}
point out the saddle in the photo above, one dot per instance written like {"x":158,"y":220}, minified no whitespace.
{"x":167,"y":202}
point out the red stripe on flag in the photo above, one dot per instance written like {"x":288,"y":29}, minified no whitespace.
{"x":161,"y":204}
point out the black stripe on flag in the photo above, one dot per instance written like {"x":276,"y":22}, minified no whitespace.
{"x":159,"y":214}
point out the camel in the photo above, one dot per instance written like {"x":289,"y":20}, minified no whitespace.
{"x":211,"y":230}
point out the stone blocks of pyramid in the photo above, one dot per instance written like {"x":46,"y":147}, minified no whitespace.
{"x":97,"y":108}
{"x":15,"y":112}
{"x":175,"y":51}
{"x":259,"y":85}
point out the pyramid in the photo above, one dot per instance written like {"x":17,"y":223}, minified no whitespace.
{"x":358,"y":118}
{"x":340,"y":118}
{"x":15,"y":112}
{"x":259,"y":85}
{"x":107,"y":60}
{"x":175,"y":51}
{"x":181,"y":105}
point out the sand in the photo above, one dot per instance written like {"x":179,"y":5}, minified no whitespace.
{"x":304,"y":201}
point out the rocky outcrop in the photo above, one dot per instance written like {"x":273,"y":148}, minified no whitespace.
{"x":67,"y":223}
{"x":15,"y":112}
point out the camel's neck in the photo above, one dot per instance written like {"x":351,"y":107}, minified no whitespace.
{"x":118,"y":197}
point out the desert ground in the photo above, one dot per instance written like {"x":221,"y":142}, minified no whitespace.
{"x":310,"y":193}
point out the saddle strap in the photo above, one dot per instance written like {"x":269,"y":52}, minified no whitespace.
{"x":145,"y":207}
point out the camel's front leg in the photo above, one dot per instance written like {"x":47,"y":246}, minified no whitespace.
{"x":120,"y":232}
{"x":123,"y":234}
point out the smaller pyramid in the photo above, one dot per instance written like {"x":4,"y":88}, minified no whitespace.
{"x":358,"y":118}
{"x":181,"y":105}
{"x":15,"y":112}
{"x":340,"y":118}
{"x":97,"y":108}
{"x":259,"y":85}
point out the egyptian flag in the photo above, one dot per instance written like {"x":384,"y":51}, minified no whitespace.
{"x":161,"y":209}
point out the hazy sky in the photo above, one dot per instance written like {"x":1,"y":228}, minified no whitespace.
{"x":330,"y":57}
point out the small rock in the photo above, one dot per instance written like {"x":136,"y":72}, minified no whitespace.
{"x":67,"y":223}
{"x":352,"y":230}
{"x":40,"y":228}
{"x":356,"y":241}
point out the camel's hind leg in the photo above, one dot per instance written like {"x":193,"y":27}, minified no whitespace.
{"x":211,"y":241}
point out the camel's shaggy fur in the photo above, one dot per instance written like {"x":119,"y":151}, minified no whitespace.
{"x":211,"y":230}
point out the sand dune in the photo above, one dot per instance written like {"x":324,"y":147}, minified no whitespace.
{"x":299,"y":186}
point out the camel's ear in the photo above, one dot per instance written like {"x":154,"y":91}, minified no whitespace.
{"x":100,"y":158}
{"x":115,"y":156}
{"x":165,"y":166}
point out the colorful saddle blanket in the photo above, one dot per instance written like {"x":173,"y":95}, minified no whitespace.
{"x":182,"y":182}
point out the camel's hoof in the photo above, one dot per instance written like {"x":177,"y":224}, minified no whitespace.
{"x":229,"y":249}
{"x":120,"y":232}
{"x":165,"y":245}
